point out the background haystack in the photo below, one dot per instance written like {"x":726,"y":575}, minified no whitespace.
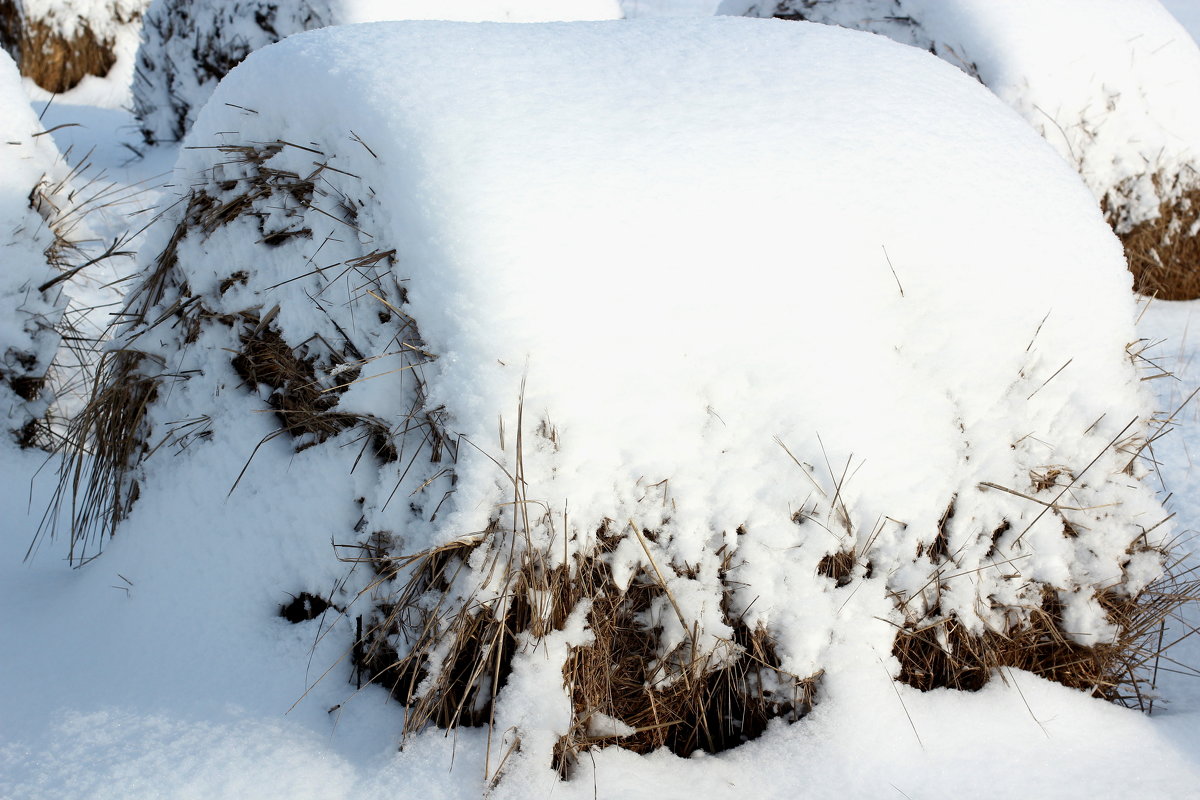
{"x":1123,"y":110}
{"x":625,"y":433}
{"x":58,"y":44}
{"x":189,"y":45}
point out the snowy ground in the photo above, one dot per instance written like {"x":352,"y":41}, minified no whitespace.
{"x":124,"y":680}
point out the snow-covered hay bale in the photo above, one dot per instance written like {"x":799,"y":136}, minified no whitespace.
{"x":58,"y":43}
{"x":189,"y":45}
{"x":1114,"y":86}
{"x":30,"y":306}
{"x":661,"y":394}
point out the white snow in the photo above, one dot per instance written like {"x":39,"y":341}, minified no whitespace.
{"x":1122,"y":102}
{"x":1113,"y":85}
{"x":682,"y":255}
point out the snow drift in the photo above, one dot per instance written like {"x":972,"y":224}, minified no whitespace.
{"x":188,"y":45}
{"x":662,"y":374}
{"x":1114,"y":86}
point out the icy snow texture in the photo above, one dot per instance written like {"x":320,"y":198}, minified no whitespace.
{"x":1113,"y":85}
{"x":684,"y":240}
{"x":27,"y":316}
{"x":188,"y":45}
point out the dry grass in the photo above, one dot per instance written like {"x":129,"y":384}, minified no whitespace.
{"x":1164,"y":253}
{"x":455,"y":652}
{"x":53,"y":61}
{"x":939,"y":652}
{"x":104,"y":443}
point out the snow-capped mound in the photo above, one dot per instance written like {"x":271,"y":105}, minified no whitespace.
{"x":1113,"y":85}
{"x":59,"y":43}
{"x":188,"y":45}
{"x":28,"y":313}
{"x":732,"y":353}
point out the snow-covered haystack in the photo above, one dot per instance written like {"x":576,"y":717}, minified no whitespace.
{"x":685,"y":372}
{"x":30,"y":304}
{"x":58,"y":43}
{"x":1113,"y":85}
{"x":188,"y":45}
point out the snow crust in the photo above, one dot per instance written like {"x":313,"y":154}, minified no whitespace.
{"x":1113,"y":85}
{"x":27,"y":316}
{"x":677,"y":246}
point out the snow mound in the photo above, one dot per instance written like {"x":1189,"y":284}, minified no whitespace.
{"x":188,"y":45}
{"x":732,"y":371}
{"x":28,"y":314}
{"x":1113,"y":85}
{"x":59,"y":43}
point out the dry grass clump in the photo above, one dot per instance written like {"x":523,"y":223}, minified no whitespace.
{"x":1164,"y":253}
{"x":54,"y":61}
{"x":685,"y":701}
{"x":939,"y":652}
{"x":447,"y":656}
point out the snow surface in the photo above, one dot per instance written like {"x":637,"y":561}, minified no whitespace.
{"x":187,"y":45}
{"x":1113,"y":85}
{"x":160,"y":671}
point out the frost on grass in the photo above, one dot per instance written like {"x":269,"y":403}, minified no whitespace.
{"x":1114,"y":86}
{"x":58,"y":43}
{"x":674,"y":384}
{"x":189,"y":45}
